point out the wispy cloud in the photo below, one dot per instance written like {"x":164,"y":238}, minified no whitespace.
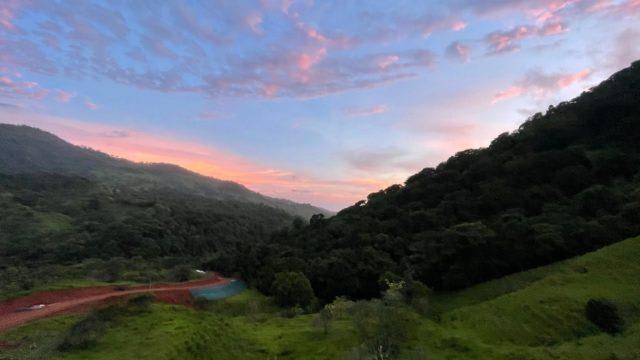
{"x":91,"y":105}
{"x":539,"y":84}
{"x":13,"y":87}
{"x":458,"y":51}
{"x":365,"y":110}
{"x":64,"y":96}
{"x":506,"y":41}
{"x":178,"y":48}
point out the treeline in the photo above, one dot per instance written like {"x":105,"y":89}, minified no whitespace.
{"x":57,"y":219}
{"x":564,"y":183}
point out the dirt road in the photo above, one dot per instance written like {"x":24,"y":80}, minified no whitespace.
{"x":13,"y":313}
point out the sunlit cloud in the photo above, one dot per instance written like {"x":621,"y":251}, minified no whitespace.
{"x":506,"y":41}
{"x":540,"y":84}
{"x":91,"y":105}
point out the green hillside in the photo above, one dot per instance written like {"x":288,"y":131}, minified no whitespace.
{"x":536,"y":314}
{"x":562,"y":184}
{"x":27,"y":150}
{"x":57,"y":228}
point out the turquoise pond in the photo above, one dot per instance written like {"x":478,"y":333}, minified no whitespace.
{"x":220,"y":291}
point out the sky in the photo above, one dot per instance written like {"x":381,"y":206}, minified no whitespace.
{"x":320,"y":102}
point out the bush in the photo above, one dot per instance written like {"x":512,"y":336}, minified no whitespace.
{"x":182,"y":273}
{"x":381,"y":327}
{"x":142,"y":302}
{"x":340,"y":307}
{"x":323,"y":319}
{"x":292,"y":312}
{"x":604,"y":314}
{"x":84,"y":334}
{"x":201,"y":303}
{"x":292,"y":288}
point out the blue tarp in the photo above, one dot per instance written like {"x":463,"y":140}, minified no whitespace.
{"x":220,"y":291}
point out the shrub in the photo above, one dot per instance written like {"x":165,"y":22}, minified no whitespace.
{"x":604,"y":314}
{"x":182,"y":273}
{"x":323,"y":319}
{"x":381,"y":327}
{"x":340,"y":307}
{"x":292,"y":312}
{"x":201,"y":303}
{"x":84,"y":334}
{"x":292,"y":288}
{"x":142,"y":302}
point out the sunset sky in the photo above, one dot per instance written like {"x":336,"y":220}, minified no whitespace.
{"x":315,"y":101}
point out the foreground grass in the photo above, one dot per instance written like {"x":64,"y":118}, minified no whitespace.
{"x":537,"y":314}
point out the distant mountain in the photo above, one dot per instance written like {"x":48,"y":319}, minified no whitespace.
{"x":28,"y":150}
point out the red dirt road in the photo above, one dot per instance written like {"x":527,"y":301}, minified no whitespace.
{"x":12,"y":313}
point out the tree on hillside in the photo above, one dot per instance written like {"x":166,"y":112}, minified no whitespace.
{"x":291,"y":289}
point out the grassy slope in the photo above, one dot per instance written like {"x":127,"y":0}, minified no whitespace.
{"x":537,"y":314}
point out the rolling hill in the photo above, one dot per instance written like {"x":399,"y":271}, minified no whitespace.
{"x":25,"y":150}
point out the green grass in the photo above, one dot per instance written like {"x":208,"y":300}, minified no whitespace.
{"x":537,"y":315}
{"x":52,"y":222}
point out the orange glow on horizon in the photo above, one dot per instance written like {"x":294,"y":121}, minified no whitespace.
{"x":219,"y":164}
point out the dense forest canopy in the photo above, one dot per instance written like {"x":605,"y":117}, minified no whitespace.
{"x":53,"y":218}
{"x":563,"y":183}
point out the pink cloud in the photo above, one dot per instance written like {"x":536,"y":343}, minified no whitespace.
{"x":307,"y":60}
{"x":285,"y":5}
{"x":8,"y":10}
{"x":458,"y":25}
{"x":459,"y":51}
{"x":539,"y":84}
{"x":16,"y":88}
{"x":512,"y":91}
{"x":64,"y":96}
{"x":541,"y":10}
{"x":316,"y":35}
{"x":387,"y":61}
{"x":254,"y":22}
{"x":365,"y":111}
{"x":91,"y":105}
{"x":178,"y":47}
{"x":505,"y":41}
{"x":553,"y":29}
{"x":568,"y":80}
{"x":550,"y":10}
{"x":270,"y":90}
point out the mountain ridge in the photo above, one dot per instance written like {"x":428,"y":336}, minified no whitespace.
{"x":26,"y":149}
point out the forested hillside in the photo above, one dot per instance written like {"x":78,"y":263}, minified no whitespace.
{"x":27,"y":150}
{"x":52,"y":220}
{"x":564,"y":183}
